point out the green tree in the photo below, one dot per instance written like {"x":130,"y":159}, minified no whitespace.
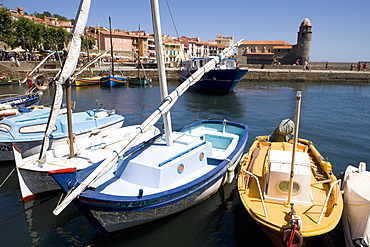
{"x":6,"y":26}
{"x":90,"y":43}
{"x":53,"y":38}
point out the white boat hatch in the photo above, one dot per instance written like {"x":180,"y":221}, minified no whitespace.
{"x":156,"y":168}
{"x":277,"y":180}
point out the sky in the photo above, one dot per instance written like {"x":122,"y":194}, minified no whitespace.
{"x":341,"y":28}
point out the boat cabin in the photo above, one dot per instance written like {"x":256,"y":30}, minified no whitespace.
{"x":278,"y":175}
{"x":196,"y":63}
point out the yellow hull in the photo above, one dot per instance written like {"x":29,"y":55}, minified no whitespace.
{"x":87,"y":81}
{"x":317,"y":219}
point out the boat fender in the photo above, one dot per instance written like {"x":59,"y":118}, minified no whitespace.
{"x":296,"y":241}
{"x":41,"y":82}
{"x":230,"y":175}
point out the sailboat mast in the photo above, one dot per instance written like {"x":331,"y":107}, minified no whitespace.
{"x":161,"y":68}
{"x":295,"y":141}
{"x":111,"y":46}
{"x":138,"y":55}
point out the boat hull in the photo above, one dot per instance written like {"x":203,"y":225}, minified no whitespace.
{"x":217,"y":80}
{"x":87,"y":81}
{"x":115,"y":219}
{"x":35,"y":179}
{"x":109,"y":213}
{"x":318,"y":215}
{"x":113,"y":81}
{"x":30,"y":144}
{"x":139,"y":81}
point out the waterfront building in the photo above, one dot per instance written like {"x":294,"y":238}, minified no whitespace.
{"x":279,"y":52}
{"x":47,"y":21}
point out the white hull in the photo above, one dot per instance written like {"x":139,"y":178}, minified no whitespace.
{"x":33,"y":147}
{"x":34,"y":177}
{"x":115,"y":221}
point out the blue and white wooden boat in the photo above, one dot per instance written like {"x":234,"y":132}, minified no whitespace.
{"x":26,"y":131}
{"x":113,"y":81}
{"x":144,"y":186}
{"x":221,"y":79}
{"x":134,"y":185}
{"x":19,"y":101}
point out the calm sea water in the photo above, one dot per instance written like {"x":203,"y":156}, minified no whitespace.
{"x":334,"y":116}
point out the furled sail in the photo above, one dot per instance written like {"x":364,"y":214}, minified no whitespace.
{"x":68,"y":69}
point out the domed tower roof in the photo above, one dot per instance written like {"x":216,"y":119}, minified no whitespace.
{"x":306,"y":22}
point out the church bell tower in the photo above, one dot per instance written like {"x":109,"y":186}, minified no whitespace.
{"x":304,"y":41}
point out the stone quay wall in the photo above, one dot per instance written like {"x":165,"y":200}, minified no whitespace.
{"x":336,"y":72}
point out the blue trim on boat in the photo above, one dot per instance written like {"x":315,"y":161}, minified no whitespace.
{"x":181,"y":154}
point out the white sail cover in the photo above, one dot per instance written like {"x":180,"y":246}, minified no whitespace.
{"x":356,"y":215}
{"x":68,"y":68}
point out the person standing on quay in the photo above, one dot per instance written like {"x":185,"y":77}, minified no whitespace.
{"x":364,"y":66}
{"x":352,"y":66}
{"x":358,"y":66}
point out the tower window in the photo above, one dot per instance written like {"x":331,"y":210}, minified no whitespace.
{"x":302,"y":34}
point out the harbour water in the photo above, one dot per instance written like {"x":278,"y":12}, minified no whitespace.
{"x":334,"y":116}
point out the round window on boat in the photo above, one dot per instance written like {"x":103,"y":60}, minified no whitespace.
{"x":201,"y":156}
{"x":180,"y":168}
{"x":284,"y":187}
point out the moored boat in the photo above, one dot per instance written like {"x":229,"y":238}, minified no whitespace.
{"x":221,"y":79}
{"x":86,"y":81}
{"x":33,"y":173}
{"x":288,"y":188}
{"x":143,"y":186}
{"x":136,"y":185}
{"x":26,"y":131}
{"x":356,"y":214}
{"x":113,"y":81}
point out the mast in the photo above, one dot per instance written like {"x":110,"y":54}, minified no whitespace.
{"x":295,"y":141}
{"x":138,"y":55}
{"x":161,"y":68}
{"x":111,"y":46}
{"x":68,"y":69}
{"x":146,"y":125}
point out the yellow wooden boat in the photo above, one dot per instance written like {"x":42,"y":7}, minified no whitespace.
{"x":289,"y":215}
{"x":79,"y":81}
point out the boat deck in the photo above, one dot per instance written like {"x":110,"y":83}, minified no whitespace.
{"x":277,"y":212}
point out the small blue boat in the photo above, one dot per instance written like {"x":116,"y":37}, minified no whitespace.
{"x":20,"y":101}
{"x":26,"y":131}
{"x":143,"y":186}
{"x":222,"y":79}
{"x":113,"y":81}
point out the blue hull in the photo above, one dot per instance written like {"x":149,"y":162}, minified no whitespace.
{"x":23,"y":101}
{"x":108,"y":213}
{"x":218,"y":80}
{"x":27,"y":130}
{"x":113,"y":81}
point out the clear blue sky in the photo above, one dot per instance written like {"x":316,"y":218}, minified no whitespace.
{"x":341,"y":28}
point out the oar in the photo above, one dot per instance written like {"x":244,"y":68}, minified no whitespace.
{"x":165,"y":106}
{"x":297,"y":116}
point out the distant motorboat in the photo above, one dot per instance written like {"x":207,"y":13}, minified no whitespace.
{"x":221,"y":79}
{"x":26,"y":131}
